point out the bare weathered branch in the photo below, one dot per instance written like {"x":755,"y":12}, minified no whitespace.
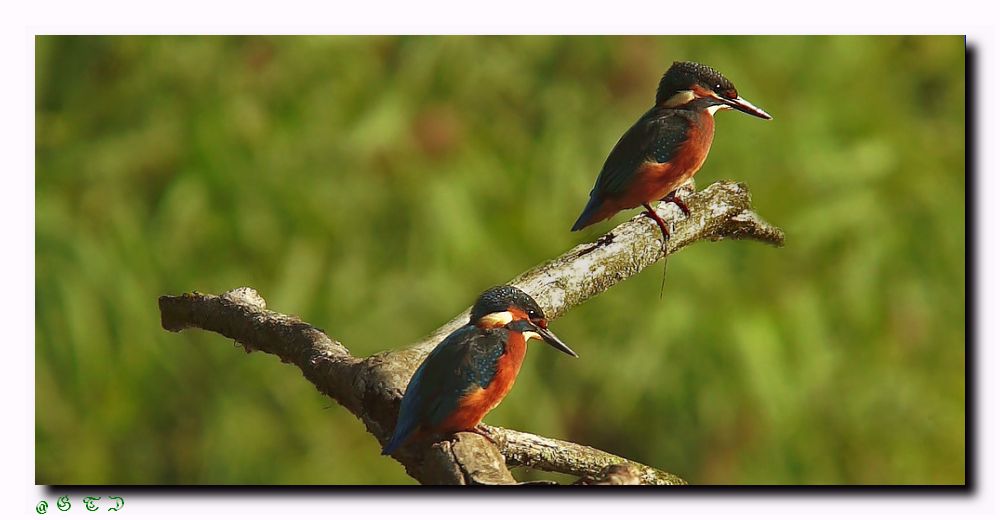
{"x":467,"y":459}
{"x":722,"y":210}
{"x":372,"y":387}
{"x":533,"y":451}
{"x":241,"y":315}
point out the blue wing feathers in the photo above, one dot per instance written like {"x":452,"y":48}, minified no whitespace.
{"x":406,"y":424}
{"x":656,"y":136}
{"x":464,"y":360}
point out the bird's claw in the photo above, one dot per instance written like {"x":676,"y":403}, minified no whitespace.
{"x":672,"y":197}
{"x":651,"y":213}
{"x":482,"y":431}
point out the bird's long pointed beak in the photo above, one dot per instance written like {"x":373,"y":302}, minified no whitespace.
{"x":556,"y":343}
{"x":745,"y":106}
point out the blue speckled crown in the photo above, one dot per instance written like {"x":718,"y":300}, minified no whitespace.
{"x":683,"y":74}
{"x":502,"y":297}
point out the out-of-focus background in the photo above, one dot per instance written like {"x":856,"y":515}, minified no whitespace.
{"x":375,"y":185}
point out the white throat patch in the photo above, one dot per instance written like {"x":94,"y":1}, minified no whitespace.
{"x":715,"y":108}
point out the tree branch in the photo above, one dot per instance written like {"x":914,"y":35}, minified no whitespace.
{"x":372,"y":387}
{"x":534,"y":451}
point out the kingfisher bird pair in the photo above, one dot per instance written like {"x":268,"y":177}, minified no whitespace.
{"x":473,"y":369}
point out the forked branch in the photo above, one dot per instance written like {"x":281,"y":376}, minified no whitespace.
{"x":372,"y":387}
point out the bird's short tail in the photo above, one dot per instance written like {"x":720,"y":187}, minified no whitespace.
{"x":588,"y":216}
{"x":399,"y":437}
{"x":394,"y":443}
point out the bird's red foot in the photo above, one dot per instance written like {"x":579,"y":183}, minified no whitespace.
{"x":482,"y":431}
{"x":672,"y":197}
{"x":659,"y":222}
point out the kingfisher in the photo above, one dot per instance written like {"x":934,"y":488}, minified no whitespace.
{"x":666,"y":146}
{"x":471,"y":370}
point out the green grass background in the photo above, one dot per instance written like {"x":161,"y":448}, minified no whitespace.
{"x":375,"y":185}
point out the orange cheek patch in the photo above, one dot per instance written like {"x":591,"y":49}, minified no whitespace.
{"x":518,"y":314}
{"x":701,"y":91}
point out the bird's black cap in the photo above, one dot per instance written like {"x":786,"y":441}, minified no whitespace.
{"x":682,"y":75}
{"x":501,"y":298}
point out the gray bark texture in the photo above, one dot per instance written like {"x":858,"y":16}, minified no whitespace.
{"x":372,"y":387}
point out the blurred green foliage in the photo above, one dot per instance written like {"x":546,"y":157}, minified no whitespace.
{"x":375,"y":185}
